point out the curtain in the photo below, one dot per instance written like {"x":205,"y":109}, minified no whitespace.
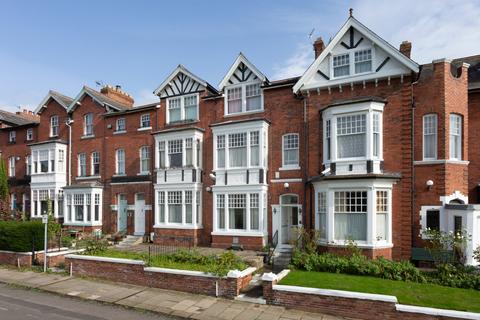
{"x":188,"y":157}
{"x":322,"y":225}
{"x":221,"y":218}
{"x":429,"y":146}
{"x":351,"y":226}
{"x":235,"y":106}
{"x":175,"y":160}
{"x":238,"y":218}
{"x":238,"y":157}
{"x":381,"y":226}
{"x":188,"y":213}
{"x":254,"y":219}
{"x":352,"y":145}
{"x":291,"y":157}
{"x":255,"y":155}
{"x":221,"y":158}
{"x":175,"y":213}
{"x":254,"y":103}
{"x":365,"y":66}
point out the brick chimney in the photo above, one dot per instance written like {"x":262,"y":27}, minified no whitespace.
{"x":318,"y":47}
{"x":406,"y":48}
{"x":118,"y":95}
{"x":28,"y":114}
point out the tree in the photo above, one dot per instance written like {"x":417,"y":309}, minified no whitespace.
{"x":4,"y":208}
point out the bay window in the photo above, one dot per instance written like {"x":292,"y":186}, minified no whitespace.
{"x":455,"y":137}
{"x":175,"y":155}
{"x":237,"y":149}
{"x":83,"y":206}
{"x":174,"y":206}
{"x":350,"y":215}
{"x":290,"y":146}
{"x":145,"y":160}
{"x":244,"y":98}
{"x":178,"y":207}
{"x":430,"y":129}
{"x":183,"y":108}
{"x":351,"y":136}
{"x":239,"y":212}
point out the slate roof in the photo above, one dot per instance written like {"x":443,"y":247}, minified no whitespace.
{"x":61,"y":98}
{"x":14,"y":119}
{"x":473,"y":71}
{"x":106,"y":100}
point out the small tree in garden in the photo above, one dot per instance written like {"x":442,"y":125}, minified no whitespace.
{"x":447,"y":247}
{"x":4,"y":207}
{"x":476,"y":254}
{"x":306,"y":240}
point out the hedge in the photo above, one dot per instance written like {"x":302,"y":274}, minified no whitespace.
{"x":17,"y":235}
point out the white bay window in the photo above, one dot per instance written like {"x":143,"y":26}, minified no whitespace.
{"x":176,"y":209}
{"x":83,"y":206}
{"x":242,"y":150}
{"x":351,"y":136}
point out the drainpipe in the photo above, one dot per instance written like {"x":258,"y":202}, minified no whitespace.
{"x":412,"y":100}
{"x":305,"y":166}
{"x":69,"y":125}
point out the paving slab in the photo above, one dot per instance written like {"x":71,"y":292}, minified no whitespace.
{"x":29,"y":278}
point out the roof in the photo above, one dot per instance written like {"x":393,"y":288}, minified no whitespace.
{"x":473,"y":70}
{"x":241,"y":59}
{"x":47,"y":142}
{"x":355,"y":100}
{"x":281,"y":82}
{"x":354,"y":23}
{"x":179,"y":129}
{"x":224,"y":123}
{"x":61,"y":99}
{"x":98,"y":97}
{"x":14,"y":119}
{"x":140,"y":108}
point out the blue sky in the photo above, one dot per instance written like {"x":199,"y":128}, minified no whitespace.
{"x":63,"y":45}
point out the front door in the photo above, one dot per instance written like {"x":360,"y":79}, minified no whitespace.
{"x":287,"y":217}
{"x":139,"y":214}
{"x":122,"y":213}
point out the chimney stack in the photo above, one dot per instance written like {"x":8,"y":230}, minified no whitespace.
{"x":116,"y":93}
{"x":406,"y":48}
{"x":28,"y":114}
{"x":318,"y":47}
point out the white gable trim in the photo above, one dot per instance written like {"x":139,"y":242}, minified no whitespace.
{"x":352,"y":22}
{"x":172,"y":76}
{"x":44,"y":102}
{"x":241,"y":58}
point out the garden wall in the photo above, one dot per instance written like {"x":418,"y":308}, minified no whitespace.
{"x":349,"y":304}
{"x":24,"y":259}
{"x":135,"y":272}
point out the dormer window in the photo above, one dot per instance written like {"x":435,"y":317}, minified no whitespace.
{"x":182,"y":108}
{"x":363,"y":61}
{"x":341,"y":65}
{"x":244,"y":98}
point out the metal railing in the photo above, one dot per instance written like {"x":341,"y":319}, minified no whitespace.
{"x":169,"y":245}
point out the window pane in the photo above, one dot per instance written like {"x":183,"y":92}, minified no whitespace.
{"x":254,"y":148}
{"x":350,"y":215}
{"x":237,"y":152}
{"x":234,"y":97}
{"x":322,"y":214}
{"x":175,"y":206}
{"x":188,"y":207}
{"x":237,"y":211}
{"x":455,"y":137}
{"x":221,"y":151}
{"x":290,"y":150}
{"x":189,"y":152}
{"x":430,"y":136}
{"x":254,"y":98}
{"x":341,"y":65}
{"x":175,"y":153}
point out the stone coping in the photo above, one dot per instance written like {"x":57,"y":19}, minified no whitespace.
{"x":438,"y":312}
{"x":337,"y":293}
{"x":105,"y":259}
{"x":63,"y":250}
{"x":59,"y":253}
{"x":180,"y":272}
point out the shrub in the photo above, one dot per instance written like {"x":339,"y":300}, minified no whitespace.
{"x":94,"y":245}
{"x":357,"y":265}
{"x":456,"y":276}
{"x":447,"y":247}
{"x":476,"y":254}
{"x":17,"y":235}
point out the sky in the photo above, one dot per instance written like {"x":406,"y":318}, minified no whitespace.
{"x":63,"y":45}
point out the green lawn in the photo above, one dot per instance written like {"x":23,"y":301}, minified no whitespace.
{"x":426,"y":295}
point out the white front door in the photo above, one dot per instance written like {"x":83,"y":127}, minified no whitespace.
{"x":287,"y":216}
{"x":139,"y":214}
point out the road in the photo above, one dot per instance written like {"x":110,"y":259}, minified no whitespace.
{"x":21,"y":304}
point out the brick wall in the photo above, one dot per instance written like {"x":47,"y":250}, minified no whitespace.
{"x":474,"y":148}
{"x":134,"y":272}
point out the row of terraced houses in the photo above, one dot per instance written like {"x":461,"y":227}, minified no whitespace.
{"x":367,"y":145}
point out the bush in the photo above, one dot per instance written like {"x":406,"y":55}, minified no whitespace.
{"x":476,"y":254}
{"x":94,"y":245}
{"x":358,"y":265}
{"x":17,"y":235}
{"x":456,"y":276}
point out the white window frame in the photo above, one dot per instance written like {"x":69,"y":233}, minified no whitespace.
{"x":120,"y":162}
{"x":426,"y":118}
{"x":164,"y":139}
{"x":11,"y":166}
{"x":29,"y":135}
{"x":54,"y":126}
{"x":88,"y":125}
{"x":28,"y":164}
{"x":95,"y":159}
{"x":351,"y":55}
{"x":80,"y":157}
{"x":117,"y":126}
{"x":145,"y":155}
{"x":188,"y":197}
{"x":12,"y":136}
{"x":455,"y":136}
{"x":182,"y":107}
{"x":292,"y":166}
{"x":144,"y":121}
{"x":243,"y":87}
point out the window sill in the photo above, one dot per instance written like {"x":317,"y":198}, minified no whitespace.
{"x":119,"y":132}
{"x":144,"y":129}
{"x":84,"y":224}
{"x":119,"y":175}
{"x":286,"y":168}
{"x":440,"y":161}
{"x":239,"y":233}
{"x":177,"y":226}
{"x":143,"y":173}
{"x":87,"y":137}
{"x":87,"y":177}
{"x":359,"y":244}
{"x":179,"y":122}
{"x":228,"y":115}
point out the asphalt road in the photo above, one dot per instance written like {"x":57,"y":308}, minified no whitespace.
{"x":22,"y":304}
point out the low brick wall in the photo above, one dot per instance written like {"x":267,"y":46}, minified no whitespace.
{"x":135,"y":272}
{"x":349,"y":304}
{"x":24,"y":259}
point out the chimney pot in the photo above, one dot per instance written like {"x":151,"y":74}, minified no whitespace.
{"x":318,"y":47}
{"x":406,"y":48}
{"x":118,"y":95}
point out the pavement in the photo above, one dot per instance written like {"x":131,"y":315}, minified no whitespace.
{"x":167,"y":302}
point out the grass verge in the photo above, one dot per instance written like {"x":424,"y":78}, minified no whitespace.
{"x":419,"y":294}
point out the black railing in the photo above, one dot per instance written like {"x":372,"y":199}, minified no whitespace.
{"x":169,"y":245}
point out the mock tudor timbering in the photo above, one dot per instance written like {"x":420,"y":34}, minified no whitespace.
{"x":366,"y":145}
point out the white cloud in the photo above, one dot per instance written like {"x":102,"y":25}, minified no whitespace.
{"x":436,"y":28}
{"x":145,"y":96}
{"x":296,"y":64}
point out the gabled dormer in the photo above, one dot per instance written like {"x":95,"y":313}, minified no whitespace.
{"x":242,"y":87}
{"x":182,"y":91}
{"x":355,"y":55}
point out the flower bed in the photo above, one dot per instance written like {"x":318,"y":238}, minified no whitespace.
{"x":136,"y":272}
